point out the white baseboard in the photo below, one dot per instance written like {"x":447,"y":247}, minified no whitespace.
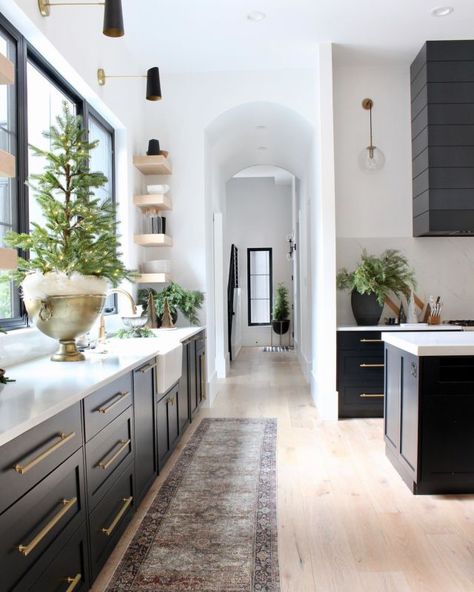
{"x":325,"y":400}
{"x":237,"y":352}
{"x":305,"y":365}
{"x":211,"y":390}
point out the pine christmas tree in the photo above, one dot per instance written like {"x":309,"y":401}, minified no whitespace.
{"x":166,"y":320}
{"x":79,"y":234}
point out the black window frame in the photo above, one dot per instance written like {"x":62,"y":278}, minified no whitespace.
{"x":249,"y":299}
{"x":25,"y":53}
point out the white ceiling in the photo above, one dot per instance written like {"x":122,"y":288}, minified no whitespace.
{"x":199,"y":35}
{"x":280,"y":176}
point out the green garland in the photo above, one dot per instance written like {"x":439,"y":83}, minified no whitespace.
{"x":79,"y":232}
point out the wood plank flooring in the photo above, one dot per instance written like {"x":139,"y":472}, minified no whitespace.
{"x":347,"y":522}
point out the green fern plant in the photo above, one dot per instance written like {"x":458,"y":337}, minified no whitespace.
{"x":379,"y":275}
{"x":188,"y":302}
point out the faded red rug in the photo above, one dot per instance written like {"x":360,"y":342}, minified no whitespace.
{"x":212,"y":526}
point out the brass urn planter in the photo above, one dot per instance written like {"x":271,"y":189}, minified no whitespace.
{"x":65,"y":318}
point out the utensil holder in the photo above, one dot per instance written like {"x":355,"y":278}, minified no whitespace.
{"x":434,"y":319}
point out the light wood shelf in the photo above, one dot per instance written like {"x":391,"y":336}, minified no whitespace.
{"x":153,"y":240}
{"x":156,"y":201}
{"x":153,"y":278}
{"x":7,"y":70}
{"x":152,"y":165}
{"x":7,"y":164}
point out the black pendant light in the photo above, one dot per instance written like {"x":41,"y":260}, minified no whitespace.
{"x":153,"y":85}
{"x":113,"y":18}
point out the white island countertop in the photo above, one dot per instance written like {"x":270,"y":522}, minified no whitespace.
{"x":44,"y":388}
{"x":433,"y":344}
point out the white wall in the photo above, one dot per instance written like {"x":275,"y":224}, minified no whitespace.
{"x":374,"y":211}
{"x":259,"y":215}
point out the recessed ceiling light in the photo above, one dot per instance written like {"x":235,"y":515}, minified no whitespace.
{"x":261,"y":127}
{"x":262,"y":148}
{"x":256,"y":16}
{"x":442,"y":11}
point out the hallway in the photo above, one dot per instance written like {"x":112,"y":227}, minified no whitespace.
{"x":347,"y":523}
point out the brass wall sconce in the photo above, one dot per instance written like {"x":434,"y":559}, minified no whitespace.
{"x":371,"y":159}
{"x":113,"y":18}
{"x":291,"y":246}
{"x":153,"y":85}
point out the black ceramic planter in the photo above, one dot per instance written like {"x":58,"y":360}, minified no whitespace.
{"x":366,"y":309}
{"x":281,"y":327}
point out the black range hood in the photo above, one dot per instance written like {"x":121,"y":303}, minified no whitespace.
{"x":442,"y":108}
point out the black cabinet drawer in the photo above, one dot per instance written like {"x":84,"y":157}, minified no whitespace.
{"x":361,"y":401}
{"x":110,"y":517}
{"x":106,"y":404}
{"x":356,"y":368}
{"x":67,"y":572}
{"x":31,"y":526}
{"x":107,"y":452}
{"x":360,"y":340}
{"x":29,"y":458}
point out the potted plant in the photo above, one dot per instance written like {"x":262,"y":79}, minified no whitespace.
{"x":281,"y":310}
{"x":372,"y":280}
{"x":74,"y":252}
{"x":188,"y":302}
{"x":3,"y":378}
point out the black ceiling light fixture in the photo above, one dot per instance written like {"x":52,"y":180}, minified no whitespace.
{"x":153,"y":85}
{"x":113,"y":17}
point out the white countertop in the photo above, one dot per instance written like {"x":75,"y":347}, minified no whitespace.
{"x":44,"y":388}
{"x":411,"y":327}
{"x":433,"y":344}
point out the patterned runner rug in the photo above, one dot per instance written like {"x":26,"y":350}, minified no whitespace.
{"x":212,"y":526}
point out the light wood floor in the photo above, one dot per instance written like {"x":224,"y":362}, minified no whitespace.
{"x":347,"y":523}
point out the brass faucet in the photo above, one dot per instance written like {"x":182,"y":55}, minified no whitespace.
{"x":102,"y":334}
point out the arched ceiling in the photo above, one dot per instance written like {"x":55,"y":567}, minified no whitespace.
{"x":260,"y":133}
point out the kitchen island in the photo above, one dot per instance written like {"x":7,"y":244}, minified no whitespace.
{"x":429,"y":410}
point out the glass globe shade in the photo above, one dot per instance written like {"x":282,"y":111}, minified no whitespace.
{"x":371,"y":159}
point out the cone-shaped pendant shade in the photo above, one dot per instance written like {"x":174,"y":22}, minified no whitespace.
{"x":113,"y":18}
{"x":153,"y":86}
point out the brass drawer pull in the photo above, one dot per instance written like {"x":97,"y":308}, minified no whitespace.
{"x":115,"y":401}
{"x":67,"y":505}
{"x":372,"y":365}
{"x":371,"y":396}
{"x":147,"y":368}
{"x":126,"y":502}
{"x":371,"y":340}
{"x":63,"y":438}
{"x":105,"y":464}
{"x":73,"y":582}
{"x":172,"y":400}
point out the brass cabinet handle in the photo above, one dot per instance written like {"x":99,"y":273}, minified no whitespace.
{"x":63,"y":438}
{"x":67,"y":505}
{"x":172,"y":400}
{"x":372,"y":365}
{"x":126,"y":502}
{"x":371,"y":340}
{"x":115,"y":401}
{"x":371,"y":396}
{"x":105,"y":464}
{"x":147,"y":368}
{"x":73,"y":582}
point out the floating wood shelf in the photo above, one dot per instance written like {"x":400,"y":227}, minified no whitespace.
{"x":157,"y":201}
{"x":153,"y":240}
{"x":153,"y":278}
{"x":152,"y":165}
{"x":7,"y":70}
{"x":7,"y":164}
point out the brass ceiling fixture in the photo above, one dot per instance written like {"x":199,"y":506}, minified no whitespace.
{"x":113,"y":18}
{"x":371,"y":159}
{"x":153,"y":84}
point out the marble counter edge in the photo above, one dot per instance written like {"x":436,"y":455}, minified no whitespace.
{"x":130,"y":362}
{"x":398,"y":328}
{"x":431,"y":349}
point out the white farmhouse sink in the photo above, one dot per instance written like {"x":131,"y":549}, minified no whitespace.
{"x":169,"y":368}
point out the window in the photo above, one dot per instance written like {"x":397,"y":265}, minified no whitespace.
{"x":27,"y":108}
{"x":9,"y":301}
{"x":259,"y":286}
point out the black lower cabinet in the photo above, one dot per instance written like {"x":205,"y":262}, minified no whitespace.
{"x":110,"y":517}
{"x":167,"y":424}
{"x":429,"y":408}
{"x":145,"y":450}
{"x":192,"y":379}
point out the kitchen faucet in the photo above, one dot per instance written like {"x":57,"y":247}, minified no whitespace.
{"x":102,"y":334}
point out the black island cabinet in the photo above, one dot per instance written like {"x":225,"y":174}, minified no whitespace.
{"x":429,"y":418}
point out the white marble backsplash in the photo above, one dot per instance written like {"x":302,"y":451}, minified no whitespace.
{"x":443,"y":266}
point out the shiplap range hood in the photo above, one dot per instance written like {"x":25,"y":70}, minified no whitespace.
{"x":442,"y":95}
